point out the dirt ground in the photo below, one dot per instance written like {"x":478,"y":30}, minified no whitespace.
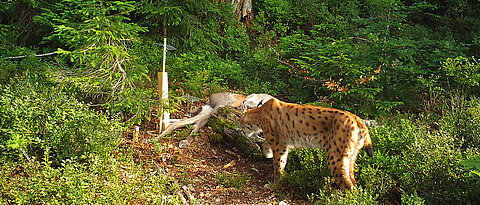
{"x":195,"y":168}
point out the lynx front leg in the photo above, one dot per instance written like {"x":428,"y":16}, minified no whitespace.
{"x":340,"y":169}
{"x":267,"y":150}
{"x":280,"y":154}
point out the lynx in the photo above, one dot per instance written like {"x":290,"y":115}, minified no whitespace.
{"x":287,"y":126}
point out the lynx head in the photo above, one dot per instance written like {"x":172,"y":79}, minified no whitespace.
{"x":255,"y":116}
{"x":255,"y":100}
{"x":367,"y":146}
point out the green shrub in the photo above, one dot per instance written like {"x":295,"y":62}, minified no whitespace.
{"x":473,"y":165}
{"x":196,"y":83}
{"x":308,"y":174}
{"x":419,"y":160}
{"x":30,"y":68}
{"x":460,"y":118}
{"x":38,"y":120}
{"x":463,"y":73}
{"x":306,"y":171}
{"x":67,"y":149}
{"x":374,"y":179}
{"x":412,"y":199}
{"x":359,"y":196}
{"x":136,"y":105}
{"x":200,"y":74}
{"x":100,"y":180}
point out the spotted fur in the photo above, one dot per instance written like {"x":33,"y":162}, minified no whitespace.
{"x":287,"y":126}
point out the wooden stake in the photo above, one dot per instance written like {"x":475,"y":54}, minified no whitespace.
{"x":160,"y":106}
{"x":163,"y":91}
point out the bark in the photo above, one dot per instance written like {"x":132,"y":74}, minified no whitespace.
{"x":243,"y":10}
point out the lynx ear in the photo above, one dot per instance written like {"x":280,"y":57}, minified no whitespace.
{"x":243,"y":106}
{"x":260,"y":103}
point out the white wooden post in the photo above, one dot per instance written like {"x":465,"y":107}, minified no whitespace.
{"x":163,"y":88}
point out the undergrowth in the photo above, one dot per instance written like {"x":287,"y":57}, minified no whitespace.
{"x":56,"y":150}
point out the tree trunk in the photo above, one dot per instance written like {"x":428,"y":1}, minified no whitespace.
{"x":243,"y":11}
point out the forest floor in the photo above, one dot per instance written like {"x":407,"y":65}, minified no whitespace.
{"x":197,"y":168}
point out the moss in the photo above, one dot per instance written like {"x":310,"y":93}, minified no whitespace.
{"x":214,"y":137}
{"x":215,"y":124}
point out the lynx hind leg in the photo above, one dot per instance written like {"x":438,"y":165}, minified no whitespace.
{"x":353,"y":159}
{"x":267,"y":150}
{"x":280,"y":154}
{"x":340,"y":169}
{"x":354,"y":149}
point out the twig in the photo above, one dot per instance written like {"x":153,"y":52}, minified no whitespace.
{"x":26,"y":155}
{"x":44,"y":54}
{"x":24,"y":56}
{"x":359,"y":38}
